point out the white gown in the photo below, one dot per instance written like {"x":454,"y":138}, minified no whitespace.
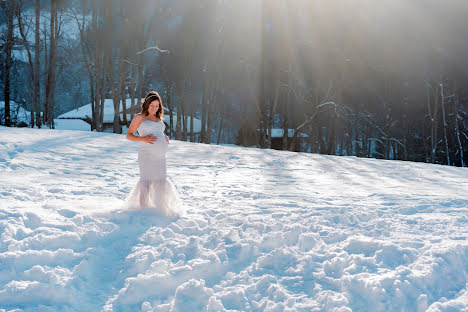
{"x":154,"y":191}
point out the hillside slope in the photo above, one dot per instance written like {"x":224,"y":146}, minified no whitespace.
{"x":264,"y":230}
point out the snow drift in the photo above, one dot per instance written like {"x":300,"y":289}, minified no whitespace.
{"x":264,"y":230}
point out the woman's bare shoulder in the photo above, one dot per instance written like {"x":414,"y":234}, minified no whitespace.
{"x":137,"y":119}
{"x":138,"y":116}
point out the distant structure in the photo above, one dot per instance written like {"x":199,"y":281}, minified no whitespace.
{"x":18,"y":115}
{"x":277,"y":139}
{"x":84,"y":113}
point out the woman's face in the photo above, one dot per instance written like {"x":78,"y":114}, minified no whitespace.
{"x":153,"y":107}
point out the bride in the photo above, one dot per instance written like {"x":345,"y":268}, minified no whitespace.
{"x":154,"y":191}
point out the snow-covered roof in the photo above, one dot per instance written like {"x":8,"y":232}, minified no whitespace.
{"x":84,"y":112}
{"x":17,"y":113}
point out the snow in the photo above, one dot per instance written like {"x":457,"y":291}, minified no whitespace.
{"x":264,"y":230}
{"x":17,"y":113}
{"x":71,"y":124}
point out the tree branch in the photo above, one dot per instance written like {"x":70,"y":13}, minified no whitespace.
{"x":153,"y":48}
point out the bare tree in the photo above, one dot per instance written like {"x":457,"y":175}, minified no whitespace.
{"x":457,"y":130}
{"x":432,"y":110}
{"x":55,"y":25}
{"x":37,"y":70}
{"x":89,"y":58}
{"x":444,"y":120}
{"x":9,"y":7}
{"x":23,"y":32}
{"x":33,"y":67}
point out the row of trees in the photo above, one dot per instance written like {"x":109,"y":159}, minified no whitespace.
{"x":244,"y":68}
{"x":13,"y":12}
{"x":356,"y":103}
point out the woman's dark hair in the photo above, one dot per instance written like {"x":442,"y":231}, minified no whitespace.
{"x":150,"y":97}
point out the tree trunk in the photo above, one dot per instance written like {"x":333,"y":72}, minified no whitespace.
{"x":433,"y":117}
{"x":37,"y":85}
{"x":135,"y":100}
{"x":169,"y":107}
{"x":30,"y":63}
{"x":457,"y":133}
{"x":50,"y":86}
{"x":87,"y":57}
{"x":192,"y":139}
{"x":113,"y":83}
{"x":204,"y":108}
{"x":286,"y":104}
{"x":96,"y":70}
{"x":221,"y":123}
{"x":212,"y":109}
{"x":124,"y":67}
{"x":179,"y":116}
{"x":46,"y":65}
{"x":331,"y":138}
{"x":141,"y":65}
{"x":442,"y":98}
{"x":184,"y":112}
{"x":272,"y":109}
{"x":9,"y":9}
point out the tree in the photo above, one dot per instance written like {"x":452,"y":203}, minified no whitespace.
{"x":33,"y":75}
{"x":55,"y":26}
{"x":37,"y":84}
{"x":9,"y":8}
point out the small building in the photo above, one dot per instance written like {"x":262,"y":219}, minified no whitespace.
{"x":19,"y":116}
{"x":84,"y":113}
{"x":277,"y":139}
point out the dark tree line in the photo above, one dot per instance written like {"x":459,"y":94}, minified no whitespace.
{"x":386,"y":81}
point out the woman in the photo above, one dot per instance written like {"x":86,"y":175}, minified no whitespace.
{"x":153,"y":191}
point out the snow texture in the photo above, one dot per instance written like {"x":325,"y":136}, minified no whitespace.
{"x":264,"y":230}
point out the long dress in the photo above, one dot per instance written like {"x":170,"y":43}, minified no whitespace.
{"x":154,"y":191}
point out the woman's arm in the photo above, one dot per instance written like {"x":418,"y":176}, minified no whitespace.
{"x":133,"y":127}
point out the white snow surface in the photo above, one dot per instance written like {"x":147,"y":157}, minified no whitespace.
{"x":264,"y":230}
{"x":71,"y":124}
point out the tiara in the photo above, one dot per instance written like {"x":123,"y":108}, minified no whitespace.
{"x":153,"y":95}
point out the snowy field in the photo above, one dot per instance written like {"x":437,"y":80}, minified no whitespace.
{"x":264,"y":230}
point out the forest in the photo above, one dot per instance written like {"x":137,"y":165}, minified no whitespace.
{"x":357,"y":78}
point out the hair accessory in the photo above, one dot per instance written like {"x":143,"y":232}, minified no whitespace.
{"x":153,"y":95}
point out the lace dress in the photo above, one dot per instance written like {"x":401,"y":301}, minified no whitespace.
{"x":154,"y":191}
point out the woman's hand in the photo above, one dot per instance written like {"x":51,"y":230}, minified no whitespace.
{"x":150,"y":139}
{"x":167,"y":138}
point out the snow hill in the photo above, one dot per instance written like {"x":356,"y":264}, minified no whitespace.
{"x":264,"y":230}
